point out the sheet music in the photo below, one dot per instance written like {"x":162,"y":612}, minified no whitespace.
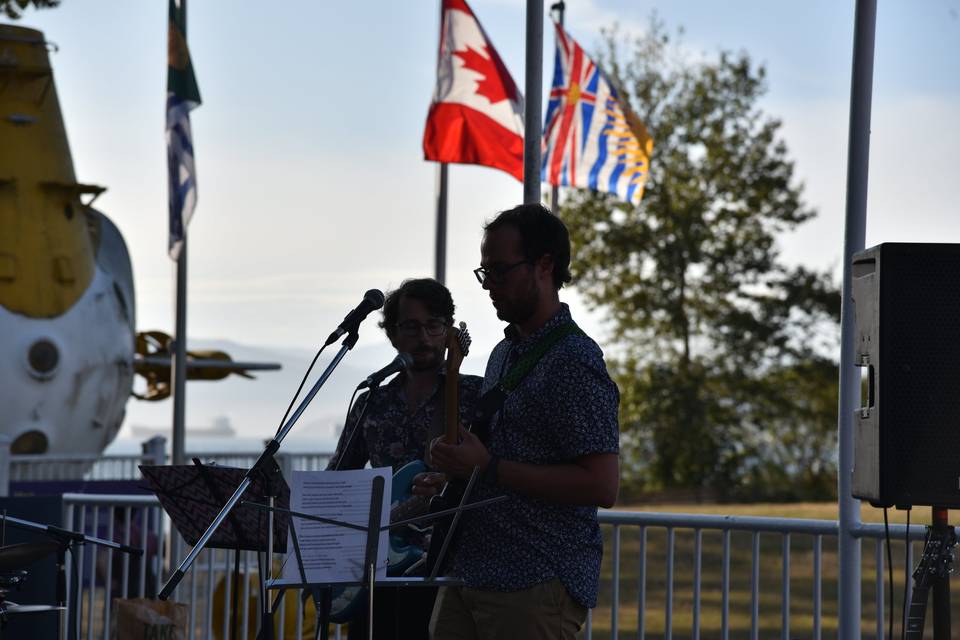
{"x":331,"y":553}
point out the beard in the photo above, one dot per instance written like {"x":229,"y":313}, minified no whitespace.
{"x":522,"y":309}
{"x":427,"y":358}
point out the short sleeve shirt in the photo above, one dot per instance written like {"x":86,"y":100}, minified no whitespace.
{"x":566,"y":407}
{"x":390,"y":435}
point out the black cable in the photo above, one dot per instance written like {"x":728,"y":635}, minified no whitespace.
{"x":283,"y":420}
{"x":356,"y":424}
{"x":886,"y":533}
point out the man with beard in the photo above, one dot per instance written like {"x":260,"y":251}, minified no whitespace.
{"x":397,"y":424}
{"x":531,"y":563}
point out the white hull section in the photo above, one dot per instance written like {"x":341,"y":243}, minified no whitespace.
{"x":78,"y":403}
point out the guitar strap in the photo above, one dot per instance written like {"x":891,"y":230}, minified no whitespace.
{"x":492,"y":400}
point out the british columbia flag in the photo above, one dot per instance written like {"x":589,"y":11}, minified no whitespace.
{"x":592,"y":140}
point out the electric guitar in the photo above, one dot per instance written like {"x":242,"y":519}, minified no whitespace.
{"x":404,"y":553}
{"x":936,"y":564}
{"x":453,"y":491}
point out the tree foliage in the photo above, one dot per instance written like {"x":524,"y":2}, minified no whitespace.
{"x":14,"y":9}
{"x":720,"y":348}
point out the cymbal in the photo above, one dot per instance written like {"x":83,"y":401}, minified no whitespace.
{"x":19,"y":556}
{"x":12,"y":607}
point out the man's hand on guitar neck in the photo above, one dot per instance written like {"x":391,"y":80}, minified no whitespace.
{"x":458,"y":460}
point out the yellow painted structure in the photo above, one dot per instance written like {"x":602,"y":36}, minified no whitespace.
{"x":48,"y":237}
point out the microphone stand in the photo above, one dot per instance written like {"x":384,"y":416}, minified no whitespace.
{"x":261,"y":465}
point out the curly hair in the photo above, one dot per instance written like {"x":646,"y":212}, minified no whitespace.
{"x":434,"y":296}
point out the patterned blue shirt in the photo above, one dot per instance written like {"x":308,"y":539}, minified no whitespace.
{"x":391,"y":435}
{"x":565,"y":408}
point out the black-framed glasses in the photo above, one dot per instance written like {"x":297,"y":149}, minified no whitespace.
{"x":497,"y":273}
{"x":412,"y":328}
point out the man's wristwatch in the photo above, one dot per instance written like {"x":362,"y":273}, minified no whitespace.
{"x":490,"y":473}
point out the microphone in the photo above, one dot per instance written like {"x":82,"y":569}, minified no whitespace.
{"x":372,"y":300}
{"x":401,"y":362}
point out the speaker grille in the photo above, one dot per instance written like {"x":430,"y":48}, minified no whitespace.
{"x":919,"y":373}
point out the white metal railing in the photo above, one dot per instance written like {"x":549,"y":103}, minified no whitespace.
{"x":42,"y":467}
{"x":696,"y":526}
{"x":207,"y":588}
{"x":32,"y":468}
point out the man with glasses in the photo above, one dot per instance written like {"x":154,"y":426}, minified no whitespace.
{"x":531,"y":563}
{"x":400,"y":419}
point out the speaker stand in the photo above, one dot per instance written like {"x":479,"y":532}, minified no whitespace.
{"x":941,"y":586}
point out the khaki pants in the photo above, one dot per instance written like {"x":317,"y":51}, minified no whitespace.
{"x":543,"y":612}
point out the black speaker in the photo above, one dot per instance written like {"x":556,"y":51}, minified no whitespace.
{"x":907,"y":431}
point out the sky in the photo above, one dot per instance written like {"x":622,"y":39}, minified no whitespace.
{"x":312,"y":186}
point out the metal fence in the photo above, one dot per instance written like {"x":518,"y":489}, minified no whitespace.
{"x":722,"y":576}
{"x":668,"y":575}
{"x":30,"y":468}
{"x":100,"y":575}
{"x":741,"y":576}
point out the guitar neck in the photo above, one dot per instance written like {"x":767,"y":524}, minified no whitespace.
{"x":451,"y":402}
{"x":456,"y":350}
{"x":917,"y":613}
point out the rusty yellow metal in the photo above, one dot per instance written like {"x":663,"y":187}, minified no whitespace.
{"x":47,"y":244}
{"x":154,"y":351}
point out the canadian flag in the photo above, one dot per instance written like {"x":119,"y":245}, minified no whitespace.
{"x":477,"y":112}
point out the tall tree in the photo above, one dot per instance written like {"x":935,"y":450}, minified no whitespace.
{"x":717,"y":342}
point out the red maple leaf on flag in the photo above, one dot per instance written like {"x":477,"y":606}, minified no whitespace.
{"x":496,"y":85}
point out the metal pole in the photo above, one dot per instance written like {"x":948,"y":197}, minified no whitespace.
{"x":560,"y":8}
{"x":939,"y":522}
{"x":858,"y":161}
{"x":441,"y":258}
{"x":532,"y":127}
{"x":179,"y":369}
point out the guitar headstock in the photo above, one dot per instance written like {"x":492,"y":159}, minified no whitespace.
{"x":936,"y":562}
{"x":458,"y":345}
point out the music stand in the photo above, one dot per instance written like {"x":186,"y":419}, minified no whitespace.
{"x":373,"y":528}
{"x":193,"y":495}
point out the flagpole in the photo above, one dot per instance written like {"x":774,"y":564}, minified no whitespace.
{"x":559,"y":7}
{"x":532,"y":128}
{"x":182,"y":96}
{"x":858,"y":165}
{"x":179,"y":369}
{"x":441,"y":255}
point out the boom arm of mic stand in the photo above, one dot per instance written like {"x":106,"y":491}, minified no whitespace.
{"x":62,"y":534}
{"x":272,"y":447}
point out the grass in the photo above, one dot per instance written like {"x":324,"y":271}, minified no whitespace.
{"x":770,"y":610}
